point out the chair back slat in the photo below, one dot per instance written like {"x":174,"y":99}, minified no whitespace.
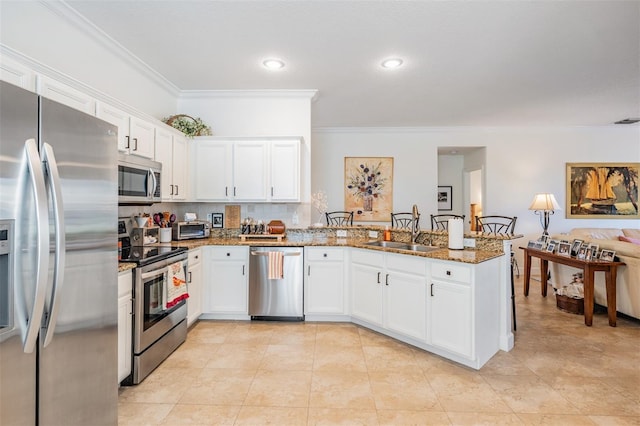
{"x":440,"y":222}
{"x":339,"y":218}
{"x":404,"y":221}
{"x":496,"y":224}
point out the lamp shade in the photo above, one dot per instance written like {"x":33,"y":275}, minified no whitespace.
{"x":544,"y":202}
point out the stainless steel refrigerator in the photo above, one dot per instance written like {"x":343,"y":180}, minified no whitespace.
{"x":58,"y":264}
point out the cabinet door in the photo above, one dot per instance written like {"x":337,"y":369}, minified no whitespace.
{"x":180,"y":158}
{"x":164,"y":154}
{"x":324,"y":281}
{"x":66,"y":95}
{"x":285,"y":170}
{"x":17,"y":74}
{"x":119,"y":119}
{"x":227,"y":288}
{"x":194,"y":283}
{"x":212,"y":175}
{"x":366,"y":284}
{"x":450,"y":317}
{"x":406,"y":304}
{"x":142,"y":136}
{"x":249,"y":170}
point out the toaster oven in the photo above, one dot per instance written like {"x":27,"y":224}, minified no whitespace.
{"x":190,"y":230}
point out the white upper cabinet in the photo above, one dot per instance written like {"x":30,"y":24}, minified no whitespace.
{"x":285,"y":170}
{"x":64,"y":94}
{"x":135,"y":136}
{"x":249,"y":169}
{"x":17,"y":74}
{"x":171,"y":151}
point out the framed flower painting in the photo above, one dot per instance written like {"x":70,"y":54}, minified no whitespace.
{"x":368,"y":188}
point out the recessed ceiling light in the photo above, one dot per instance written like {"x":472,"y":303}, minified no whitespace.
{"x":273,"y":64}
{"x":391,"y":63}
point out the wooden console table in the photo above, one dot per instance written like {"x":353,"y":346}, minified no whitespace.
{"x":589,"y":267}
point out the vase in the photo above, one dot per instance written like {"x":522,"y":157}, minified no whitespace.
{"x":368,"y":204}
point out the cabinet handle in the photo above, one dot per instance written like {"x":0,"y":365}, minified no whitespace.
{"x":386,"y":279}
{"x":324,"y":255}
{"x":128,"y":142}
{"x":309,"y":270}
{"x":177,"y":190}
{"x":448,"y":272}
{"x":189,"y":277}
{"x":378,"y":277}
{"x":171,"y":189}
{"x":272,"y":191}
{"x":226,"y":191}
{"x":228,"y":254}
{"x":234,"y":191}
{"x":242,"y":269}
{"x":196,"y":257}
{"x":135,"y":144}
{"x":431,"y":289}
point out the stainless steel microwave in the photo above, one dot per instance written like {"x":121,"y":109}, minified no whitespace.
{"x":138,"y":180}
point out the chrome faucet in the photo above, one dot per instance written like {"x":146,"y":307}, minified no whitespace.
{"x":415,"y":229}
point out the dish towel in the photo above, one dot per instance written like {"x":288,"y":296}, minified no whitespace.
{"x":176,"y":288}
{"x":276,"y":258}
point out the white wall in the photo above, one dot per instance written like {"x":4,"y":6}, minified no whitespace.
{"x":51,"y":34}
{"x":450,"y":173}
{"x":519,"y":163}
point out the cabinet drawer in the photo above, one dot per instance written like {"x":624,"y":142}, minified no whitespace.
{"x":229,"y":253}
{"x":451,"y":272}
{"x":368,"y":257}
{"x":407,"y":263}
{"x":195,"y":257}
{"x":325,"y":254}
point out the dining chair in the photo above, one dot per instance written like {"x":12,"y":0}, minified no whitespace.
{"x":404,"y":221}
{"x":440,"y":222}
{"x":339,"y":218}
{"x":502,"y":225}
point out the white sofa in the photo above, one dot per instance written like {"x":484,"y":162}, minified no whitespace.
{"x":628,"y":282}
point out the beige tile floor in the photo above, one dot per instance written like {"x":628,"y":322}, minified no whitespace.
{"x":560,"y":372}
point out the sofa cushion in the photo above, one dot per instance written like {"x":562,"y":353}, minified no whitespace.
{"x":629,"y":240}
{"x":596,"y":233}
{"x":633,"y":233}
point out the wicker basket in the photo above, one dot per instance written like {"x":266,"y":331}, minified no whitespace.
{"x":570,"y":304}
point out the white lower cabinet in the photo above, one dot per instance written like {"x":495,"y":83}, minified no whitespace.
{"x":194,"y":284}
{"x":450,"y":317}
{"x":366,"y":285}
{"x":226,"y":283}
{"x":324,"y":284}
{"x":125,"y":324}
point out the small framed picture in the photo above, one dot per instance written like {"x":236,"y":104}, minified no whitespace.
{"x":531,"y":244}
{"x":217,"y":220}
{"x":607,"y":255}
{"x":594,"y":245}
{"x":575,"y":246}
{"x":538,"y":245}
{"x":445,"y":198}
{"x":582,"y":252}
{"x":551,"y":247}
{"x":591,"y":253}
{"x":564,"y":249}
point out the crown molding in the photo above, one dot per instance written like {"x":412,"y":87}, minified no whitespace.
{"x":267,"y":93}
{"x":72,"y":16}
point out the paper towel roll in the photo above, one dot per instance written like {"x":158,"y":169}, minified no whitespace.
{"x":456,"y":234}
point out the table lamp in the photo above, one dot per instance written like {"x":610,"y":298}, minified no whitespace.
{"x":544,"y":205}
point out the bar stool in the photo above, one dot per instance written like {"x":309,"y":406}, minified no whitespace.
{"x":404,"y":221}
{"x":339,"y":218}
{"x":440,"y":222}
{"x":501,"y":225}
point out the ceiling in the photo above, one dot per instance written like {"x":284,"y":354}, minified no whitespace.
{"x":488,"y":63}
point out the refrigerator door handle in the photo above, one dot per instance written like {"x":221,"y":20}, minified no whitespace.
{"x":51,"y":166}
{"x":42,"y":222}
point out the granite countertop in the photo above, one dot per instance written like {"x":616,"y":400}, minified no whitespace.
{"x":125,"y":266}
{"x":468,"y":255}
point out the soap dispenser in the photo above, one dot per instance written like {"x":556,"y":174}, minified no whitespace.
{"x":387,"y":233}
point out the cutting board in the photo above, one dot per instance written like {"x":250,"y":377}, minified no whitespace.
{"x":232,"y":215}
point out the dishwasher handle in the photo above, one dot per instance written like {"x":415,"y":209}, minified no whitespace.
{"x":266,"y":253}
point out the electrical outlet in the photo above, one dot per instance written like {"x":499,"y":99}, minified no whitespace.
{"x":469,"y":242}
{"x":341,"y":233}
{"x":209,"y":217}
{"x":373,"y":234}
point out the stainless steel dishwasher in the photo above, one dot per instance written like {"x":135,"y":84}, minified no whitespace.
{"x":276,"y":298}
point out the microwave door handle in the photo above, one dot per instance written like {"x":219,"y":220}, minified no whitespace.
{"x":60,"y":241}
{"x":154,"y":185}
{"x":34,"y":166}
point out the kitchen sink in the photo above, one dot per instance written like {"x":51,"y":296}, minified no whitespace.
{"x":403,"y":246}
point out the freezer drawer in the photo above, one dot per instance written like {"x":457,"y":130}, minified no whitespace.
{"x":276,"y":299}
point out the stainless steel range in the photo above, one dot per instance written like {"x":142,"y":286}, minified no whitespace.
{"x":159,"y":324}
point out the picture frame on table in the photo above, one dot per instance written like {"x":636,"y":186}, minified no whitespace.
{"x":531,"y":244}
{"x":445,"y":198}
{"x":551,"y":247}
{"x":538,"y":245}
{"x":607,"y":255}
{"x":217,"y":220}
{"x":575,"y":246}
{"x":582,"y":252}
{"x":564,"y":249}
